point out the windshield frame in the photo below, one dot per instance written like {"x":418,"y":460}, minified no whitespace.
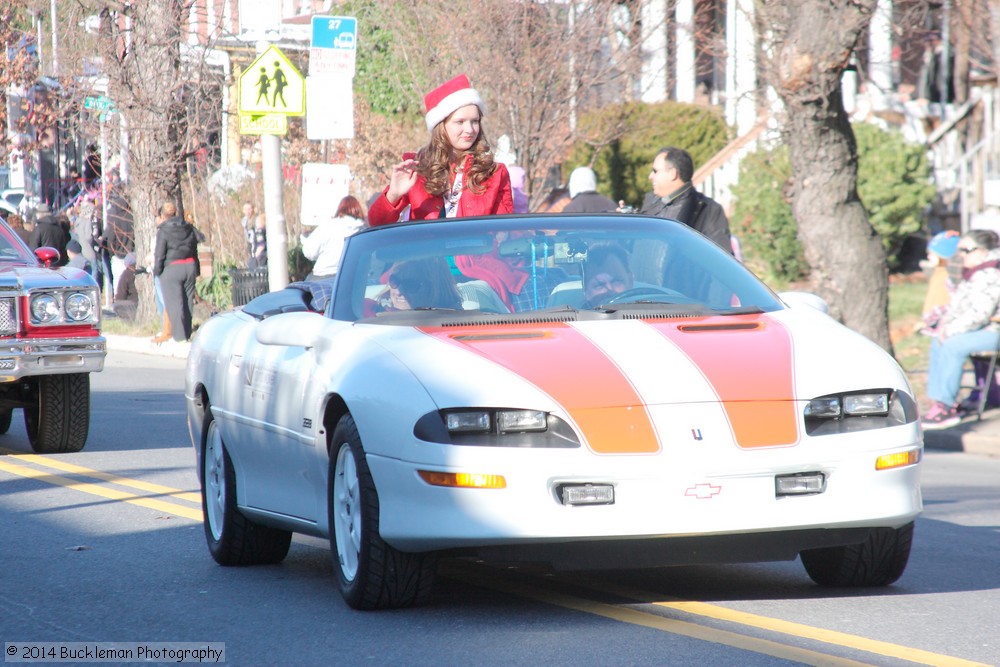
{"x":474,"y":236}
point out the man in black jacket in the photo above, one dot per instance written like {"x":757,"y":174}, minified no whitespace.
{"x":48,"y":232}
{"x":674,"y":197}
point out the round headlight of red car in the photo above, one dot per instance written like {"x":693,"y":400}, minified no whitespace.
{"x":44,"y":308}
{"x":79,"y":307}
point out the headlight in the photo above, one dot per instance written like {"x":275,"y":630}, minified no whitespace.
{"x":859,"y":411}
{"x":44,"y":308}
{"x":64,"y":307}
{"x":79,"y":307}
{"x":495,"y":427}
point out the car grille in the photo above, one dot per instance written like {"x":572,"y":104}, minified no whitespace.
{"x":8,"y":316}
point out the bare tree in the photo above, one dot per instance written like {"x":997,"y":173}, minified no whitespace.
{"x":539,"y":64}
{"x":807,"y":45}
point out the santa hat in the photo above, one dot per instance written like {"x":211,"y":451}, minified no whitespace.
{"x":449,"y":98}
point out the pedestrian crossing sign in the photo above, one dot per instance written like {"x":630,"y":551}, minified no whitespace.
{"x":272,"y":85}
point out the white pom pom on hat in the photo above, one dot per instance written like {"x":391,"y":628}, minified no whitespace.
{"x":450,"y":97}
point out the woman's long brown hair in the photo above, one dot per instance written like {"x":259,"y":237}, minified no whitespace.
{"x":435,"y":166}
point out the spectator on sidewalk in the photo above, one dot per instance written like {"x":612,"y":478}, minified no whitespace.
{"x":584,"y":196}
{"x":48,"y":232}
{"x":75,"y":254}
{"x":674,"y":197}
{"x":968,"y":325}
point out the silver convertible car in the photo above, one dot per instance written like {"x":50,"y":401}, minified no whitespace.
{"x":582,"y":391}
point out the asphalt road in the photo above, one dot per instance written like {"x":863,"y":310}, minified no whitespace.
{"x":107,"y":546}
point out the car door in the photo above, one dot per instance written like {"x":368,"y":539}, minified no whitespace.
{"x":275,"y":448}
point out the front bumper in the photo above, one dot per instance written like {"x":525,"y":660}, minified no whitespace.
{"x":50,"y":356}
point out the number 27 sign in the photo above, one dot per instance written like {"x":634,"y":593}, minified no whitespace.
{"x":334,"y":45}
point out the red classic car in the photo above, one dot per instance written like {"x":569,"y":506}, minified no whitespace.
{"x":50,"y":341}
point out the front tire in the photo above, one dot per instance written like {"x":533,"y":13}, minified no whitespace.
{"x":59,"y":418}
{"x":370,"y":573}
{"x":878,"y":561}
{"x":232,"y":538}
{"x":5,"y":419}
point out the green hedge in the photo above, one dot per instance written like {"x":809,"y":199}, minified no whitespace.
{"x":622,"y":166}
{"x":893,"y":183}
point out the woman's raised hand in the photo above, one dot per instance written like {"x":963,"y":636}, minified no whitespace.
{"x":404,"y":175}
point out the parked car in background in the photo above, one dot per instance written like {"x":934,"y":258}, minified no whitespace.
{"x":588,"y":391}
{"x":13,"y":196}
{"x":6,"y":209}
{"x":50,"y":342}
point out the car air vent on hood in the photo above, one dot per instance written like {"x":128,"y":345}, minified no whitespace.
{"x":519,"y":335}
{"x":735,"y":326}
{"x":656,"y":316}
{"x":528,"y":318}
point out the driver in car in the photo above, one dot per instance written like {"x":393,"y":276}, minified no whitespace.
{"x":605,"y":273}
{"x":423,"y":283}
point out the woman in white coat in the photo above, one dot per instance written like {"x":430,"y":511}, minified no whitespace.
{"x":325,"y":243}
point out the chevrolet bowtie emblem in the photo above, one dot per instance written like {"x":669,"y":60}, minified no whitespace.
{"x":703,"y":491}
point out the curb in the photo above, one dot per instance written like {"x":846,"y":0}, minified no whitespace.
{"x":971,"y":436}
{"x":170,"y":348}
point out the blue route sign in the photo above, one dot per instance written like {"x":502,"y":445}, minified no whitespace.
{"x":334,"y":32}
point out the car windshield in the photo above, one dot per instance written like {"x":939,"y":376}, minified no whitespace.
{"x":12,"y":248}
{"x":526,"y":267}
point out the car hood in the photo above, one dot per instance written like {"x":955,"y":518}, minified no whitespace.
{"x":22,"y":277}
{"x":756,"y":367}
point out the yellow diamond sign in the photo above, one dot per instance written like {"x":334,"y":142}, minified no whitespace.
{"x":272,"y":85}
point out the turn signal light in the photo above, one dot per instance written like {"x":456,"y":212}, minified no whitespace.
{"x":464,"y":480}
{"x":898,"y":460}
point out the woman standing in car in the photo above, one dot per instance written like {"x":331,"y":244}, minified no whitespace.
{"x":454,"y":175}
{"x":175,"y":263}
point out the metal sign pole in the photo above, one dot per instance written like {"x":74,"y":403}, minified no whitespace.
{"x":274,"y":206}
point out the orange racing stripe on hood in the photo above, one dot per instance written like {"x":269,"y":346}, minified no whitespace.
{"x":575,"y":373}
{"x":748,"y":361}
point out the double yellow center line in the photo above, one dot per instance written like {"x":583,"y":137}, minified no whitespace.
{"x":40,"y":467}
{"x":680,"y":614}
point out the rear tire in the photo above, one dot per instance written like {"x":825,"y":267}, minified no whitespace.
{"x":59,"y":419}
{"x":5,"y":418}
{"x":370,"y":573}
{"x":878,"y":561}
{"x":232,"y":538}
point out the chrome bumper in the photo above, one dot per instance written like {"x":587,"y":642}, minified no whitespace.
{"x":25,"y":358}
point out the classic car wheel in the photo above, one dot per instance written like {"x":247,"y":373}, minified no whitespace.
{"x":370,"y":573}
{"x":878,"y":561}
{"x":5,"y":417}
{"x":60,"y":417}
{"x":232,"y":538}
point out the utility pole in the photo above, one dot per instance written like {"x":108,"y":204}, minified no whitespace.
{"x":274,"y":205}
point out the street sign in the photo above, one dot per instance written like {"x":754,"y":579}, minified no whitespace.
{"x":265,"y":124}
{"x":323,"y":186}
{"x":334,"y":32}
{"x":99,"y":103}
{"x":329,"y":107}
{"x":105,"y":105}
{"x":272,"y":85}
{"x":334,"y":45}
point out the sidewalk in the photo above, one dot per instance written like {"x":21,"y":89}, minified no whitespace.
{"x":971,"y":436}
{"x":145,"y":345}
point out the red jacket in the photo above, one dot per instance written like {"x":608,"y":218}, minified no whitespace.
{"x":496,"y":199}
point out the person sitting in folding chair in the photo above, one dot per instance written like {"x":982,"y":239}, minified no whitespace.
{"x":967,"y":326}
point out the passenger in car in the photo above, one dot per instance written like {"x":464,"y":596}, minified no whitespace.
{"x":423,"y":283}
{"x":606,"y":273}
{"x":520,"y":286}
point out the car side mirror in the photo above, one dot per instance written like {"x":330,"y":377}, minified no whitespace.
{"x":291,"y":329}
{"x":48,"y":256}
